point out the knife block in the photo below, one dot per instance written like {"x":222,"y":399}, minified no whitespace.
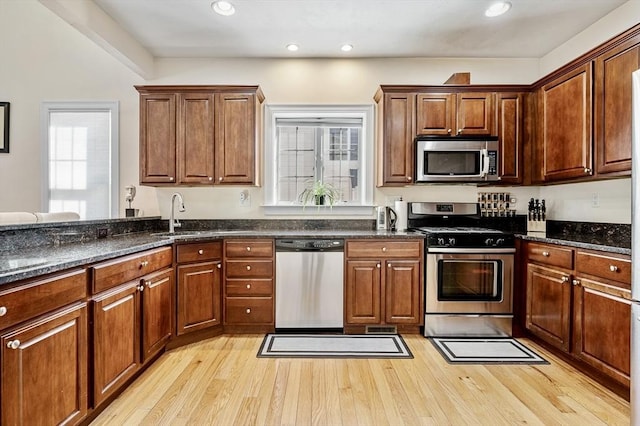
{"x":537,"y":228}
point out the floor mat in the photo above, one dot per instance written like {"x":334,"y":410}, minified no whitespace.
{"x":333,"y":346}
{"x":474,"y":350}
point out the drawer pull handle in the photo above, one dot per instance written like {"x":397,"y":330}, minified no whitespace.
{"x":200,"y":251}
{"x":248,"y":285}
{"x":545,"y":253}
{"x":613,"y":268}
{"x":13,"y":344}
{"x":248,"y":267}
{"x":3,"y":311}
{"x":248,"y":310}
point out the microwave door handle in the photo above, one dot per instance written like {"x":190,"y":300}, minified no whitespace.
{"x":485,"y":163}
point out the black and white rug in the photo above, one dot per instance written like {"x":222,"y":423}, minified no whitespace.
{"x":333,"y":346}
{"x":482,"y":350}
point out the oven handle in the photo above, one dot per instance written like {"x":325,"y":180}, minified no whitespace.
{"x":450,"y":250}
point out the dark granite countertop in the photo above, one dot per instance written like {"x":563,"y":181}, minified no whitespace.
{"x":34,"y":261}
{"x":577,"y":244}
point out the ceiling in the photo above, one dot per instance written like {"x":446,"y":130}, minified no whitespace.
{"x":376,"y":28}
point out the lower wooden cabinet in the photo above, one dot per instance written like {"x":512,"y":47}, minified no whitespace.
{"x":383,"y":282}
{"x":199,"y":296}
{"x":44,"y":370}
{"x":157,"y":312}
{"x":582,"y":307}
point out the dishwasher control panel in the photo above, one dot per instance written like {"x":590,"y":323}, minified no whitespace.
{"x":309,"y":245}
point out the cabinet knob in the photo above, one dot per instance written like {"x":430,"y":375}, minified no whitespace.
{"x":248,"y":310}
{"x":545,"y":253}
{"x":220,"y":179}
{"x":449,"y":131}
{"x":171,"y":178}
{"x":248,"y":267}
{"x":3,"y":311}
{"x":143,"y":264}
{"x":248,"y":248}
{"x":565,"y":279}
{"x":576,"y":282}
{"x":210,"y":178}
{"x":200,"y":251}
{"x":384,"y":249}
{"x":389,"y":265}
{"x":409,"y":178}
{"x":378,"y":266}
{"x":587,"y":170}
{"x":13,"y":344}
{"x":141,"y":287}
{"x":219,"y":265}
{"x":612,"y":268}
{"x":248,"y":285}
{"x":147,"y":283}
{"x":459,"y":131}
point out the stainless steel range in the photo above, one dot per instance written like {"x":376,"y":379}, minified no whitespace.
{"x":468,"y":271}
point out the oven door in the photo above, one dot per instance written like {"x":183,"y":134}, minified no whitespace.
{"x":469,"y":281}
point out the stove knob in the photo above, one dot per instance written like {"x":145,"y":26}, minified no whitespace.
{"x":500,"y":241}
{"x":440,"y":241}
{"x":488,"y":242}
{"x":452,"y":241}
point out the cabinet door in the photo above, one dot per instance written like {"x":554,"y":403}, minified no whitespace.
{"x":403,"y":292}
{"x":157,"y":138}
{"x":116,"y":339}
{"x":157,"y":312}
{"x":612,"y":107}
{"x":602,"y":327}
{"x":363,"y":292}
{"x":564,"y":150}
{"x":235,"y":122}
{"x":549,"y":305}
{"x":510,"y":136}
{"x":199,"y":296}
{"x":397,"y":150}
{"x":475,"y":114}
{"x":195,"y":138}
{"x":436,"y":113}
{"x":44,"y":370}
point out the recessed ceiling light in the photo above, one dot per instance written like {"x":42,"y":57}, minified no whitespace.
{"x":497,"y":9}
{"x":346,"y":48}
{"x":223,"y":8}
{"x":292,"y":47}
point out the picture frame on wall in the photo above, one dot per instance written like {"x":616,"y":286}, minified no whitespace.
{"x":4,"y":127}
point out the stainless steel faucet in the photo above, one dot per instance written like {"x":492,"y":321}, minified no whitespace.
{"x":175,"y":223}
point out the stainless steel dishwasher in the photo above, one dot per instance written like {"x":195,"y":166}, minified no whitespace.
{"x":309,"y":283}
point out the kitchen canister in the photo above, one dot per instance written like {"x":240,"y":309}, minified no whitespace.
{"x":401,"y":210}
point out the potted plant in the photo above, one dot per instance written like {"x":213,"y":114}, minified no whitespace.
{"x":319,"y":194}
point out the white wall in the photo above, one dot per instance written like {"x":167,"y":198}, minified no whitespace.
{"x":47,"y":59}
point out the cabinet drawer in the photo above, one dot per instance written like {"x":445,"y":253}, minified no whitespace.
{"x":248,"y":248}
{"x":118,"y":271}
{"x":378,"y":248}
{"x":248,"y":268}
{"x":550,"y":255}
{"x":607,"y":267}
{"x":249,"y":310}
{"x":249,"y":287}
{"x":198,"y":252}
{"x":39,"y":297}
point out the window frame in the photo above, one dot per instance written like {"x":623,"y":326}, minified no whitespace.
{"x":274,"y":112}
{"x":112,"y":107}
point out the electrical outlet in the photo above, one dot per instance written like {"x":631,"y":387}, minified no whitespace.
{"x":595,"y":200}
{"x":244,"y":198}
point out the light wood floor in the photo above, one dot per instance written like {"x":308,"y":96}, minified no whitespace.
{"x":221,"y":382}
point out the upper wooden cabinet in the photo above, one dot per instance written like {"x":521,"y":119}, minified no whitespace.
{"x":199,"y":135}
{"x":612,"y":107}
{"x":510,"y":129}
{"x":450,"y":114}
{"x":563,"y":150}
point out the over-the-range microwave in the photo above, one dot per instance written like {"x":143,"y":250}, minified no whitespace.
{"x":456,"y":159}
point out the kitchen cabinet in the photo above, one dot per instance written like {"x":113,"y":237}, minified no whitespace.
{"x":579,"y":301}
{"x":510,"y":112}
{"x":383,"y":283}
{"x":461,"y":114}
{"x":563,"y":150}
{"x":43,"y":352}
{"x":396,"y":132}
{"x":131,"y":319}
{"x":249,"y":285}
{"x":199,"y":295}
{"x":612,"y":107}
{"x":199,"y":135}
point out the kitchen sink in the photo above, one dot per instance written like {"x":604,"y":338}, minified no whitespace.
{"x":195,"y":234}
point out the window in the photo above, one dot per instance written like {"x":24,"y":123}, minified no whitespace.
{"x":80,"y":156}
{"x":307,"y":144}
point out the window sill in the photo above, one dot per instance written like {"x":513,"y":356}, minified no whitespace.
{"x":297,"y":210}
